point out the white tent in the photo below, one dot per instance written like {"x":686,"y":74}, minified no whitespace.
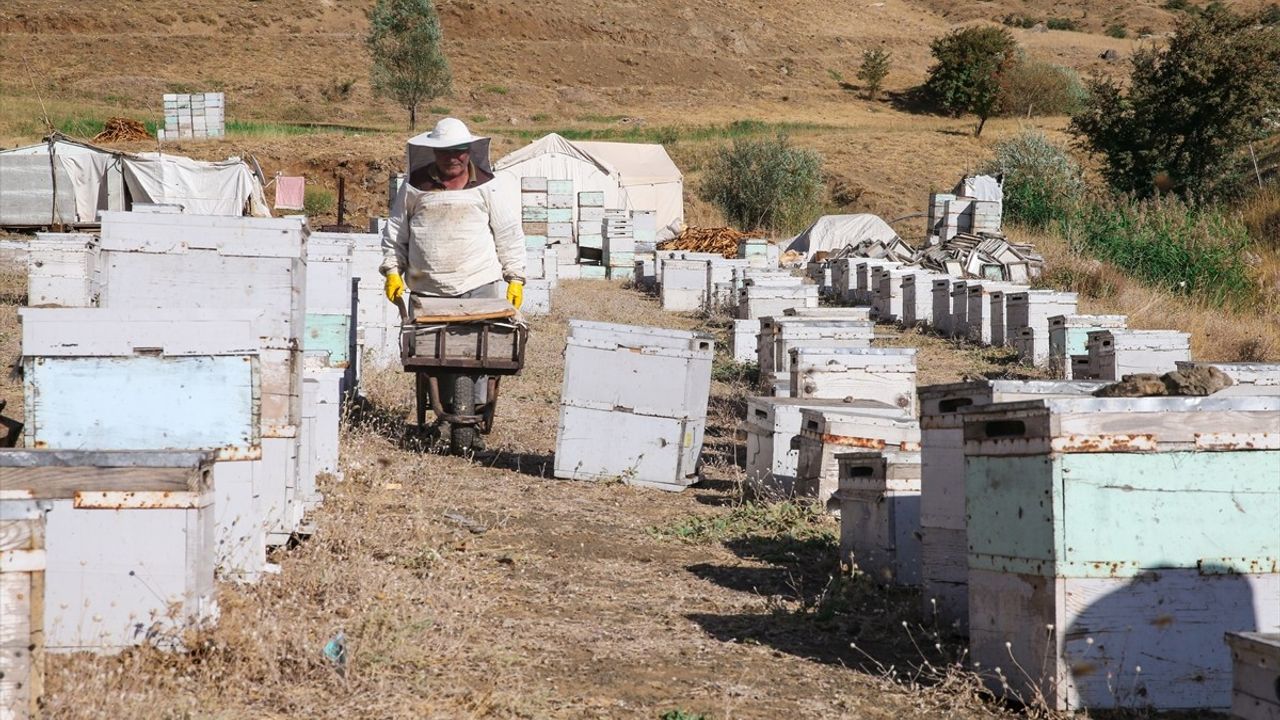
{"x":632,"y":175}
{"x":59,"y":182}
{"x":652,"y":181}
{"x":832,"y":232}
{"x":66,"y":182}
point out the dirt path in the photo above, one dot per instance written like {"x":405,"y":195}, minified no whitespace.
{"x":575,"y":600}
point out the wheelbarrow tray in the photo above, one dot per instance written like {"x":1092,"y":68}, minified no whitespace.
{"x":463,"y":335}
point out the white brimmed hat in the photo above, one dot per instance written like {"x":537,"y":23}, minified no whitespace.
{"x":449,"y":132}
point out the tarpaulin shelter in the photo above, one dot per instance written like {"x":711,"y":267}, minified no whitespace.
{"x":832,"y":232}
{"x":67,"y":182}
{"x":633,"y":176}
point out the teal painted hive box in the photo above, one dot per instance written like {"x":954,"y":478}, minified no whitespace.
{"x":328,"y":319}
{"x":1113,"y":541}
{"x":1069,"y":335}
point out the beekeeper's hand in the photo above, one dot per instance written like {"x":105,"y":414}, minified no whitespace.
{"x":394,"y":287}
{"x":515,"y":293}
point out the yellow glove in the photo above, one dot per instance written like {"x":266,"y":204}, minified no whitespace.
{"x":515,"y":293}
{"x":394,"y":287}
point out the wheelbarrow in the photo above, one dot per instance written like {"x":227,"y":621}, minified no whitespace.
{"x":453,"y":345}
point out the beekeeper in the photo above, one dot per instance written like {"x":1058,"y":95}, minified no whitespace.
{"x":451,"y":233}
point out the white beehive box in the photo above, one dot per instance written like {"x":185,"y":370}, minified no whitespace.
{"x":780,"y":335}
{"x":886,"y":375}
{"x":633,"y":404}
{"x":62,"y":270}
{"x":22,"y":566}
{"x":830,"y":313}
{"x":720,"y":278}
{"x":917,"y":298}
{"x":978,"y":318}
{"x":825,"y":434}
{"x":773,"y":438}
{"x":128,"y":545}
{"x":999,"y":324}
{"x":863,"y":285}
{"x":1255,"y":675}
{"x":328,"y":298}
{"x":1033,"y":308}
{"x":757,"y":301}
{"x":1242,"y":373}
{"x":889,"y":293}
{"x":542,"y":264}
{"x":843,"y":282}
{"x":945,"y":570}
{"x":377,"y":320}
{"x":1069,"y":337}
{"x":942,"y":305}
{"x":744,"y":340}
{"x":1116,"y":353}
{"x":537,"y":298}
{"x":319,"y":434}
{"x":879,"y":499}
{"x":960,"y":308}
{"x":684,"y":285}
{"x":1113,"y":541}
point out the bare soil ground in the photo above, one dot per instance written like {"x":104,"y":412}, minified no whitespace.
{"x":486,"y":588}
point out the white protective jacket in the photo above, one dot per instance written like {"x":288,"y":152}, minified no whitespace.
{"x":448,"y":242}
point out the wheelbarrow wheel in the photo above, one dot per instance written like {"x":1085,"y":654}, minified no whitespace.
{"x":462,"y":438}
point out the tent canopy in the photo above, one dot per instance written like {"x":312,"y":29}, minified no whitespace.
{"x":832,"y":232}
{"x":633,"y":176}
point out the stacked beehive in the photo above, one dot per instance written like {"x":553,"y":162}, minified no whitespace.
{"x":533,"y":212}
{"x":1068,"y":341}
{"x":1117,"y":352}
{"x":779,"y":335}
{"x":879,"y":501}
{"x":619,"y":246}
{"x":1112,"y":543}
{"x":591,"y":215}
{"x":193,"y":115}
{"x":1027,"y":314}
{"x":633,"y":405}
{"x":980,"y":321}
{"x":645,"y":228}
{"x":560,"y":202}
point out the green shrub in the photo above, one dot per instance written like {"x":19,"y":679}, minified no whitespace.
{"x":765,"y":184}
{"x":1041,"y":181}
{"x":1057,"y":23}
{"x":1035,"y":87}
{"x":317,"y":201}
{"x":1020,"y":21}
{"x":1187,"y":249}
{"x":1176,"y":5}
{"x":1117,"y":30}
{"x":873,"y":71}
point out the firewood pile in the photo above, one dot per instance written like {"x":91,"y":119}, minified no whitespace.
{"x":722,"y":240}
{"x":122,"y":129}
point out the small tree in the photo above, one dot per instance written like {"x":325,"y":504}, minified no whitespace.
{"x":1041,"y":181}
{"x":873,"y":71}
{"x":1182,"y":121}
{"x":765,"y":184}
{"x":409,"y":65}
{"x":967,"y":71}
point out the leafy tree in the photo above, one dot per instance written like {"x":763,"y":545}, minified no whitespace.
{"x":1182,"y":121}
{"x":1041,"y":181}
{"x":874,"y":69}
{"x":969,"y":65}
{"x":765,"y":184}
{"x":409,"y":65}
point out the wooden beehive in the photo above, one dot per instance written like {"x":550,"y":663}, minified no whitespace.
{"x":779,"y":334}
{"x":129,"y":536}
{"x":1113,"y":541}
{"x":1255,"y":675}
{"x":1032,"y":309}
{"x":759,"y":300}
{"x":942,"y":305}
{"x":1117,"y":352}
{"x":826,"y":433}
{"x":1242,"y":373}
{"x":979,"y":323}
{"x":22,"y":566}
{"x":886,"y":375}
{"x":377,"y":320}
{"x":959,"y":309}
{"x":889,"y":299}
{"x":328,"y":300}
{"x":63,"y":270}
{"x":879,"y":499}
{"x":1069,"y":336}
{"x":684,"y":285}
{"x":917,"y":298}
{"x":945,"y":543}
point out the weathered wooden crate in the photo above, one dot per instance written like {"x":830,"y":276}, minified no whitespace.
{"x":779,"y":334}
{"x":745,"y":341}
{"x":879,"y":498}
{"x":63,"y":270}
{"x":1255,"y":675}
{"x":942,"y":305}
{"x":978,"y":317}
{"x":1116,"y":353}
{"x":942,"y":516}
{"x":684,"y":285}
{"x":128,"y":544}
{"x":1242,"y":373}
{"x":328,"y":299}
{"x":960,"y":309}
{"x":825,"y":433}
{"x":1113,"y":542}
{"x":1033,"y":308}
{"x":757,"y":301}
{"x":917,"y":298}
{"x":773,"y":437}
{"x":1069,"y":335}
{"x":889,"y":299}
{"x":886,"y":375}
{"x":221,"y":263}
{"x":22,"y":566}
